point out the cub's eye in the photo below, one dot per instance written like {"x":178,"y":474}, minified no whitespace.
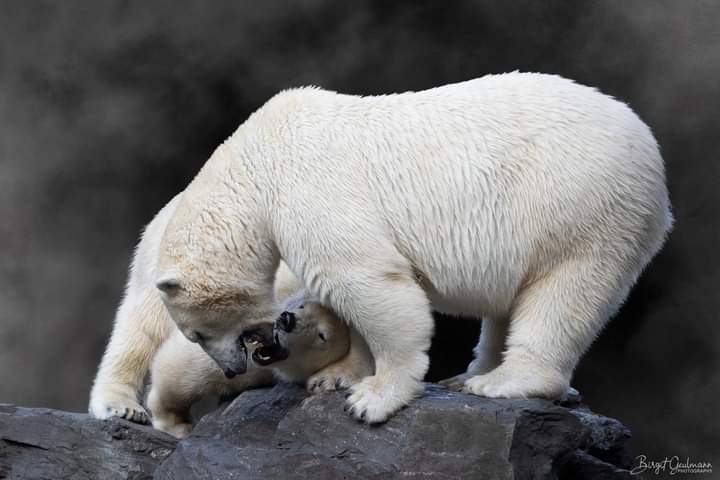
{"x":301,"y":307}
{"x":199,"y":338}
{"x":252,"y":339}
{"x":322,"y":337}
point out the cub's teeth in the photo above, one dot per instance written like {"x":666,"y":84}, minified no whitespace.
{"x":264,"y":357}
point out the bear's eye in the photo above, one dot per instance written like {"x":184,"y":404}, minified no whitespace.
{"x":322,"y":337}
{"x":301,"y":307}
{"x":199,"y":338}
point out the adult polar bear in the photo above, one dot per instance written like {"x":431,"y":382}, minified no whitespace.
{"x":523,"y":198}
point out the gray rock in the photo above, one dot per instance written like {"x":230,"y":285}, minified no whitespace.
{"x":282,"y":433}
{"x":39,"y":443}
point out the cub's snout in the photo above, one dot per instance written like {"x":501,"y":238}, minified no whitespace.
{"x":286,"y":322}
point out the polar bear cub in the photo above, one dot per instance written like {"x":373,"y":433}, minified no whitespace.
{"x":307,"y":338}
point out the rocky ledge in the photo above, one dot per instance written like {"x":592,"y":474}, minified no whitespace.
{"x":284,"y":433}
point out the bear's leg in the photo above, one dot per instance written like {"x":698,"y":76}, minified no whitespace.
{"x":552,"y":322}
{"x":141,"y":325}
{"x":488,"y":352}
{"x":348,"y":371}
{"x":392,"y":314}
{"x":181,"y":374}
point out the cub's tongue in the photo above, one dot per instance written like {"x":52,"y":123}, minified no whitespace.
{"x":269,"y":354}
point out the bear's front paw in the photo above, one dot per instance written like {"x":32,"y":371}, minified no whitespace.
{"x":375,"y":399}
{"x":522,"y":382}
{"x":134,"y":413}
{"x":110,"y":404}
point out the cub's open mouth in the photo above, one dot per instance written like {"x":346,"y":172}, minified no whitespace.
{"x":269,"y":354}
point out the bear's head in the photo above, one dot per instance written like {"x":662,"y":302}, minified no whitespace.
{"x":219,"y":316}
{"x":215,"y":275}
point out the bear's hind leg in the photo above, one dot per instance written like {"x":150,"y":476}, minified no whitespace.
{"x":488,"y":352}
{"x":552,"y":322}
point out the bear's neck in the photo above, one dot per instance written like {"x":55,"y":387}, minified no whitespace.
{"x":222,"y":222}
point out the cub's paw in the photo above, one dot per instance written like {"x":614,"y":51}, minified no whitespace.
{"x":178,"y":430}
{"x":340,"y":375}
{"x":522,"y":382}
{"x":375,"y":399}
{"x":330,"y":379}
{"x":110,"y":404}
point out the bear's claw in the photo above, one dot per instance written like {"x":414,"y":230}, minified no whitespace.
{"x":112,"y":404}
{"x":131,"y":414}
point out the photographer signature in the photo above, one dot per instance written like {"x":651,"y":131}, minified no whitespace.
{"x":671,"y":465}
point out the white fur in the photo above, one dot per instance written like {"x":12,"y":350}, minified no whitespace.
{"x":523,"y":198}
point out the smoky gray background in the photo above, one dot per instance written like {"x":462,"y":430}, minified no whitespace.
{"x":107,"y":109}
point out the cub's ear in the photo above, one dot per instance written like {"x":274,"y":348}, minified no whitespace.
{"x":170,"y":286}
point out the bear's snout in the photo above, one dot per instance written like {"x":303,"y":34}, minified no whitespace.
{"x":286,"y":322}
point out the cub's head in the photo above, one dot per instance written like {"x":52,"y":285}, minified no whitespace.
{"x":307,"y":337}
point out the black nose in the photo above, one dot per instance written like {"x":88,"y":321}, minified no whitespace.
{"x":286,"y":322}
{"x":229,"y":372}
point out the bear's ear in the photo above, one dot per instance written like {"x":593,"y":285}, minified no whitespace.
{"x":170,"y":286}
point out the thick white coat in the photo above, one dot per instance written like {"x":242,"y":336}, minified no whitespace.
{"x":526,"y":199}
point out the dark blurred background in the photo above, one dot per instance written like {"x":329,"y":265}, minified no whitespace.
{"x":108,"y":108}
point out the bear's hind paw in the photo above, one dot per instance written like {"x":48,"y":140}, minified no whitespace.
{"x":456,"y":383}
{"x":506,"y":382}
